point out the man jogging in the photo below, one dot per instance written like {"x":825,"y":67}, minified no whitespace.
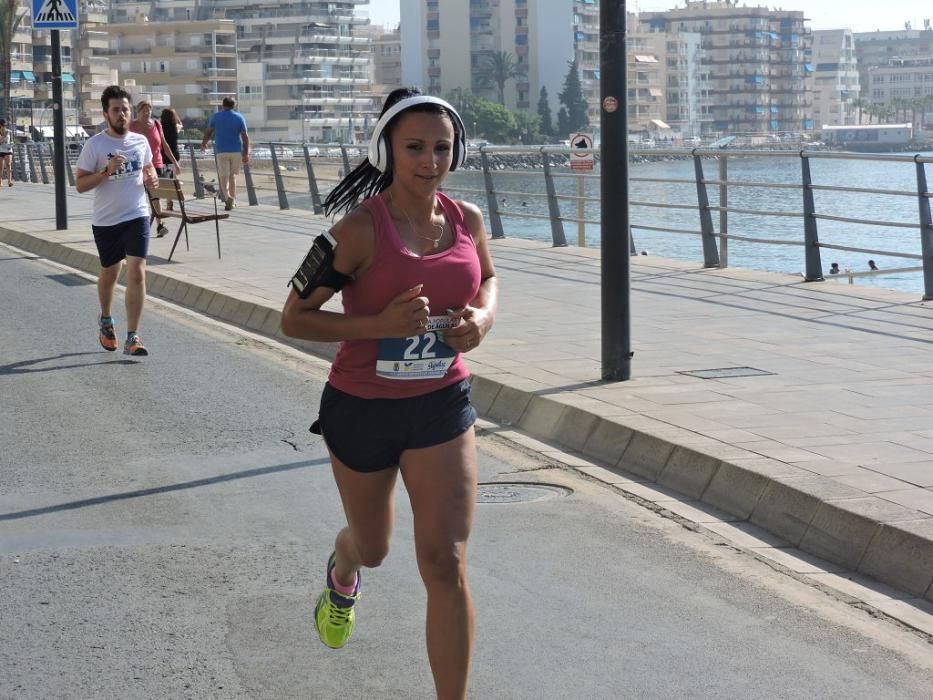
{"x":231,"y":146}
{"x":117,"y":165}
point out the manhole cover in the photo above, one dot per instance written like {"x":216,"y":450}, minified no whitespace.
{"x":726,"y":372}
{"x":70,"y":279}
{"x":518,"y":492}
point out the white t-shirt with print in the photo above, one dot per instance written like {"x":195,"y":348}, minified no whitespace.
{"x":121,"y":197}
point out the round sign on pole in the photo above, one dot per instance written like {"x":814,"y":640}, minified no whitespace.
{"x":610,"y":104}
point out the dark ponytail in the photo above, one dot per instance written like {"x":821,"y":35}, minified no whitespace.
{"x":365,"y":180}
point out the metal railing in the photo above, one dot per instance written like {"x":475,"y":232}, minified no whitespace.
{"x":301,"y":175}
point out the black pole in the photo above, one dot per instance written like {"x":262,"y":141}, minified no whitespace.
{"x":58,"y":123}
{"x":616,"y":314}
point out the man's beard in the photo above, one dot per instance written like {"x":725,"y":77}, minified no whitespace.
{"x":121,"y":129}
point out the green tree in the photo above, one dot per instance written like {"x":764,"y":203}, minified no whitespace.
{"x":563,"y":123}
{"x":483,"y":118}
{"x":544,"y":114}
{"x":572,"y":98}
{"x":497,"y":69}
{"x":859,"y":104}
{"x":527,"y":128}
{"x":10,"y":17}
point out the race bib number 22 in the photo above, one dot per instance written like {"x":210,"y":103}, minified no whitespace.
{"x":418,"y":357}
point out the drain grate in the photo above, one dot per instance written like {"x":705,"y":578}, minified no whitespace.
{"x":70,"y":279}
{"x":726,"y":372}
{"x":518,"y":492}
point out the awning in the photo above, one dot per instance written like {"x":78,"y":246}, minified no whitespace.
{"x":29,"y":75}
{"x":775,"y":110}
{"x":808,"y":67}
{"x":656,"y":92}
{"x":645,"y":59}
{"x":16,"y":76}
{"x":660,"y":124}
{"x":46,"y":131}
{"x":67,"y":78}
{"x":74,"y":132}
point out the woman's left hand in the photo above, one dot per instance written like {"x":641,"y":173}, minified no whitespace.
{"x":469,"y":333}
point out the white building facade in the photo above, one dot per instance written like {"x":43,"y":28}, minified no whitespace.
{"x":836,"y":78}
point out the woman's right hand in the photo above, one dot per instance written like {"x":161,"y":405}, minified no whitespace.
{"x":405,"y":316}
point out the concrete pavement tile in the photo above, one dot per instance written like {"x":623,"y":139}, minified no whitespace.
{"x":829,"y":467}
{"x":243,"y":312}
{"x":646,"y":455}
{"x":785,"y":510}
{"x":688,"y":471}
{"x":871,"y":481}
{"x":798,"y":561}
{"x":916,"y":498}
{"x":484,"y":391}
{"x":916,"y":473}
{"x":191,"y":296}
{"x":608,"y":441}
{"x":217,"y":304}
{"x":745,"y":535}
{"x":229,"y":310}
{"x":913,"y":612}
{"x":272,"y":324}
{"x":868,"y":454}
{"x":902,"y":554}
{"x":860,"y":587}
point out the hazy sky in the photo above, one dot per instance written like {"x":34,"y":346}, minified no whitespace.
{"x":860,"y":15}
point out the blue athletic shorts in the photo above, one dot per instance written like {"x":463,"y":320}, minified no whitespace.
{"x":369,"y":435}
{"x":126,"y":238}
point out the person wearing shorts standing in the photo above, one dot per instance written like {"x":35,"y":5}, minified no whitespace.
{"x":6,"y":154}
{"x":420,"y":290}
{"x":117,"y":165}
{"x":231,"y":147}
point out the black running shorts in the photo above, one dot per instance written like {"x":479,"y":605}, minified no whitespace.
{"x":126,"y":238}
{"x":369,"y":435}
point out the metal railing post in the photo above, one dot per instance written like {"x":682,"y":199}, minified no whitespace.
{"x":926,"y":229}
{"x":492,"y":204}
{"x":45,"y":173}
{"x":710,"y":253}
{"x":346,"y":160}
{"x":195,"y":175}
{"x":250,"y":187}
{"x":69,"y":171}
{"x":814,"y":262}
{"x":31,"y":157}
{"x":631,"y":242}
{"x":312,"y":183}
{"x":277,"y":174}
{"x":723,"y":214}
{"x":553,"y":206}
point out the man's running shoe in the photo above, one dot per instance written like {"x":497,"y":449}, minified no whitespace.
{"x":161,"y":231}
{"x":134,"y":346}
{"x":334,"y":615}
{"x":108,"y":339}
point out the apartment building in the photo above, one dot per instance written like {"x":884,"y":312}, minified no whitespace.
{"x":878,"y":49}
{"x":836,"y":78}
{"x":302,"y":69}
{"x":190,"y":66}
{"x":906,"y":85}
{"x":31,"y":80}
{"x":445,"y":44}
{"x":91,"y":60}
{"x":386,"y":58}
{"x":758,"y":62}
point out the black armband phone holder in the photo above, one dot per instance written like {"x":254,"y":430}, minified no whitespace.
{"x":317,"y":269}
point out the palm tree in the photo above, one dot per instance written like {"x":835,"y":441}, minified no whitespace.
{"x":860,"y":103}
{"x":497,"y":69}
{"x":10,"y":17}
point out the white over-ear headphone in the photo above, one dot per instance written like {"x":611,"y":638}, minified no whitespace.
{"x":379,"y":144}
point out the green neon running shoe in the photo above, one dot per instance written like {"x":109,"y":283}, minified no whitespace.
{"x":334,"y":615}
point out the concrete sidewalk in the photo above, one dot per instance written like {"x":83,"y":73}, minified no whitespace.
{"x":829,"y":447}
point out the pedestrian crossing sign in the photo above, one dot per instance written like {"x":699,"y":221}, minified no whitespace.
{"x":55,"y":14}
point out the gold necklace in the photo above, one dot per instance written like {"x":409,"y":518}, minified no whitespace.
{"x":440,"y":227}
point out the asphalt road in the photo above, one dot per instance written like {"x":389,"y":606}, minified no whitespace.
{"x":164,"y":523}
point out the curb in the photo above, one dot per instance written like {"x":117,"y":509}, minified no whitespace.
{"x":846,"y":526}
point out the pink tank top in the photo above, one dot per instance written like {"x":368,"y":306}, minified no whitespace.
{"x":400,"y":368}
{"x":154,"y":137}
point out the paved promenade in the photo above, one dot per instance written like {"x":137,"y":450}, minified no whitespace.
{"x":830,"y":447}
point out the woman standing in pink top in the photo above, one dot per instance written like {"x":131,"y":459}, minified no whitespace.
{"x":418,"y":290}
